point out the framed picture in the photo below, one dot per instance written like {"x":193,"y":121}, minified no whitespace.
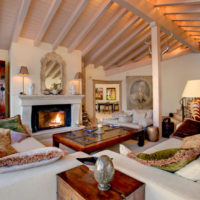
{"x":3,"y":97}
{"x":110,"y":93}
{"x":99,"y":93}
{"x":139,"y":92}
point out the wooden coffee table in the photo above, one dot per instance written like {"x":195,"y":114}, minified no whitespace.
{"x":88,"y":142}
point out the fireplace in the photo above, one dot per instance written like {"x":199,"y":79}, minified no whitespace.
{"x":50,"y":116}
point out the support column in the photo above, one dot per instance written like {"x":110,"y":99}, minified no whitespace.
{"x":156,"y":75}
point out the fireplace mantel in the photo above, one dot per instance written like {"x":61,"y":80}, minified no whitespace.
{"x":26,"y":103}
{"x":49,"y":99}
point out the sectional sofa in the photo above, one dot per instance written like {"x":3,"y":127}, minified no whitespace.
{"x":40,"y":182}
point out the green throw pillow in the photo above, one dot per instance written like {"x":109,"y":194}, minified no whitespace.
{"x":13,"y":123}
{"x":169,"y":159}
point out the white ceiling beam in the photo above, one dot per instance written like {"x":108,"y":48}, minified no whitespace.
{"x":136,"y":31}
{"x":50,"y":67}
{"x":175,"y":2}
{"x":20,"y":19}
{"x":113,"y":39}
{"x":134,"y":65}
{"x":70,"y":22}
{"x":129,"y":49}
{"x":105,"y":30}
{"x":146,"y":10}
{"x":90,"y":24}
{"x":189,"y":9}
{"x":47,"y":20}
{"x":56,"y":75}
{"x":55,"y":72}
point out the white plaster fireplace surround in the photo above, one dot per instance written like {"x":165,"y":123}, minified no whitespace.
{"x":26,"y":103}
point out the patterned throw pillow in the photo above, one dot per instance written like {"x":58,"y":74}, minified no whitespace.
{"x":13,"y":123}
{"x":5,"y":136}
{"x":187,"y":128}
{"x":169,"y":160}
{"x":6,"y":150}
{"x":5,"y":143}
{"x":17,"y":136}
{"x":191,"y":142}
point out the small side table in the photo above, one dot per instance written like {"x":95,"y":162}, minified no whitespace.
{"x":79,"y":184}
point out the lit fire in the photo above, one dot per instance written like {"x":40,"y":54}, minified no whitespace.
{"x":56,"y":122}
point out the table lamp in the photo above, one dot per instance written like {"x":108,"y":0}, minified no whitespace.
{"x":192,"y":90}
{"x":23,"y":72}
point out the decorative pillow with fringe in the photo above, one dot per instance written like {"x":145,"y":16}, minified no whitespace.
{"x":169,"y":159}
{"x":29,"y":159}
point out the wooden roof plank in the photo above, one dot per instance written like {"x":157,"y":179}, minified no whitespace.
{"x":175,"y":2}
{"x":77,"y":12}
{"x":137,"y":30}
{"x":129,"y":49}
{"x":107,"y":27}
{"x":182,"y":17}
{"x":146,"y":10}
{"x":105,"y":5}
{"x":47,"y":20}
{"x":20,"y":19}
{"x":142,"y":63}
{"x":113,"y":39}
{"x":189,"y":9}
{"x":138,"y":51}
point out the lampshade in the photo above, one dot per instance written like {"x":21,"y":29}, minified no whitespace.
{"x":78,"y":75}
{"x":192,"y":89}
{"x":23,"y":71}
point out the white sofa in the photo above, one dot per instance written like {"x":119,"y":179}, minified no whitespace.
{"x":133,"y":119}
{"x":40,"y":182}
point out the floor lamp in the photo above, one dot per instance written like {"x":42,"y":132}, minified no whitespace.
{"x":23,"y":72}
{"x":192,"y":90}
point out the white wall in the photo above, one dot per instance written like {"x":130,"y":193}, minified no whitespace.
{"x":175,"y":73}
{"x":4,"y":55}
{"x":25,"y":53}
{"x":105,"y":86}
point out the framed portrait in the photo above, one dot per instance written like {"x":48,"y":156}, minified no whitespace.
{"x":110,"y":93}
{"x":139,"y":92}
{"x":99,"y":93}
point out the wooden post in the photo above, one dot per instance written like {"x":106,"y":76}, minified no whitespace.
{"x":156,"y":75}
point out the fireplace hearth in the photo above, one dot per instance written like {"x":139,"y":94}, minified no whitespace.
{"x":50,"y":116}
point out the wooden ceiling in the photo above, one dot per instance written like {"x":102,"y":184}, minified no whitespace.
{"x":111,"y":33}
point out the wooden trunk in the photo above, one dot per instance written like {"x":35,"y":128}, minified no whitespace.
{"x":79,"y":184}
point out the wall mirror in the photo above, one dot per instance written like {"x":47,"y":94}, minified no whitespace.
{"x":52,"y":74}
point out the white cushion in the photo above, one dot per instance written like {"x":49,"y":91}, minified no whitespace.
{"x":191,"y":171}
{"x":125,"y":118}
{"x":138,"y":115}
{"x":149,"y":113}
{"x":28,"y":144}
{"x":145,"y":122}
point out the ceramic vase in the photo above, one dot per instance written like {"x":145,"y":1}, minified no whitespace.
{"x":104,"y":172}
{"x":31,"y":89}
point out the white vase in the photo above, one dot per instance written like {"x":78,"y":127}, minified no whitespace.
{"x":73,"y":89}
{"x":31,"y":89}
